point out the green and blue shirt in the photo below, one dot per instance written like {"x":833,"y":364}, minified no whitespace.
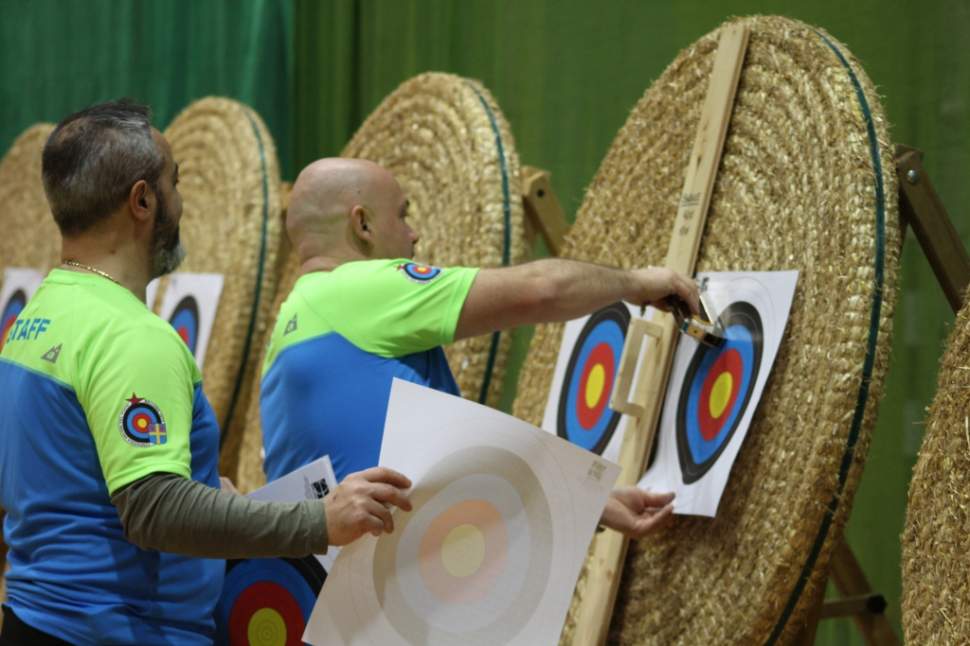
{"x":95,"y":393}
{"x":340,"y":338}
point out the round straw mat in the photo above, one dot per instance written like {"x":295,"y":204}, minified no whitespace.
{"x":806,"y":182}
{"x":31,"y":238}
{"x":936,"y":540}
{"x":249,"y":475}
{"x":230,"y":186}
{"x":450,"y":148}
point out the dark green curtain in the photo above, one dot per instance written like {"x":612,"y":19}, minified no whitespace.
{"x":59,"y":56}
{"x":567,"y":72}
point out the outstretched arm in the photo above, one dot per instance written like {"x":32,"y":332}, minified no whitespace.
{"x":555,"y":289}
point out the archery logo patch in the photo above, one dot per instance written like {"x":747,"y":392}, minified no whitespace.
{"x":419,"y":273}
{"x":141,"y":422}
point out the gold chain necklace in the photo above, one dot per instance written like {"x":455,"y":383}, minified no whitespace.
{"x":93,"y":270}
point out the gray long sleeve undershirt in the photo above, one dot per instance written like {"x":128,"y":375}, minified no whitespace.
{"x":170,"y":513}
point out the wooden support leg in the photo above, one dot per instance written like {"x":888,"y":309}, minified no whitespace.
{"x":922,"y":209}
{"x":542,"y":208}
{"x":866,"y":608}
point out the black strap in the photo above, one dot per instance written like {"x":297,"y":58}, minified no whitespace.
{"x":16,"y":633}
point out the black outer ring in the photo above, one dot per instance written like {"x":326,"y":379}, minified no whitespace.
{"x":189,"y":303}
{"x":126,"y":421}
{"x":309,"y":568}
{"x":619,"y":313}
{"x":742,"y":313}
{"x":18,"y":296}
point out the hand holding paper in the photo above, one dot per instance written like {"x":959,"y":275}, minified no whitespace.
{"x":361,"y":504}
{"x":635,"y":512}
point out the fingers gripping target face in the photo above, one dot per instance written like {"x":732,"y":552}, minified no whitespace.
{"x":464,"y":566}
{"x":185,"y":320}
{"x":11,"y":309}
{"x":584,"y":416}
{"x":266,"y":602}
{"x":716,"y":390}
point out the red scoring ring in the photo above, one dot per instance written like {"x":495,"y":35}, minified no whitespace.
{"x":140,"y":416}
{"x":252,"y":599}
{"x":731,"y":363}
{"x":601,"y":354}
{"x":6,"y":329}
{"x":184,"y":333}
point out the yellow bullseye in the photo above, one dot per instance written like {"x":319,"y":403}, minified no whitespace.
{"x":266,"y":628}
{"x":463,"y":550}
{"x":720,"y":394}
{"x":594,"y":385}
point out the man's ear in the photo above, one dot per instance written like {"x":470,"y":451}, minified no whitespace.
{"x":359,"y":221}
{"x":141,"y":200}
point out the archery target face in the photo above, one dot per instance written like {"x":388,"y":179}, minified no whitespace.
{"x":589,"y":358}
{"x":463,"y":564}
{"x":11,"y":309}
{"x":717,"y":389}
{"x":18,"y":286}
{"x":267,"y":602}
{"x":185,"y":320}
{"x":713,"y":391}
{"x":189,"y":304}
{"x":502,"y":518}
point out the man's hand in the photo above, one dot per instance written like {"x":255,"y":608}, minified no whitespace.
{"x":654,"y":284}
{"x":635,"y":512}
{"x":361,"y":504}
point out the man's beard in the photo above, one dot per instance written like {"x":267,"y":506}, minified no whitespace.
{"x":167,"y":250}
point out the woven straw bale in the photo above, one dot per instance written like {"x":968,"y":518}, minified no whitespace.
{"x":231,"y":223}
{"x":806,"y":182}
{"x":936,"y":538}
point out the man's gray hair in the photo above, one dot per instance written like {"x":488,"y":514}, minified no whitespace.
{"x":93,"y":158}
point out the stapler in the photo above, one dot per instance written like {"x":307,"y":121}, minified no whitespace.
{"x":704,"y":327}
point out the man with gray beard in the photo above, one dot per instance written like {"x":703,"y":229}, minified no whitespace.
{"x":108,"y":446}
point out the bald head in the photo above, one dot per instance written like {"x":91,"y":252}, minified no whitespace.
{"x":348,"y":209}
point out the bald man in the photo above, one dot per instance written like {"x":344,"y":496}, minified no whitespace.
{"x":363,"y":313}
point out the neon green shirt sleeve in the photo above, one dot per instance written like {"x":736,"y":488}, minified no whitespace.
{"x":397,"y":307}
{"x":137,"y":393}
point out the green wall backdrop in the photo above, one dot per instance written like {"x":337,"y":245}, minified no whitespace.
{"x":564,"y":72}
{"x":57,"y":57}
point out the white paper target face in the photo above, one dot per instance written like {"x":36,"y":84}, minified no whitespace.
{"x":503,"y":515}
{"x":19,"y":284}
{"x":190,"y":304}
{"x":578,"y":407}
{"x":713,"y":392}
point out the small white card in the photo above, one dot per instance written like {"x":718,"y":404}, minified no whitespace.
{"x":309,"y":482}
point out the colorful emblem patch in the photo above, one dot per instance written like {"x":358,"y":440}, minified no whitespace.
{"x":14,"y":305}
{"x":185,"y":320}
{"x":268,"y":601}
{"x":419,"y":273}
{"x":716,"y":390}
{"x":584,"y":417}
{"x":142,"y":423}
